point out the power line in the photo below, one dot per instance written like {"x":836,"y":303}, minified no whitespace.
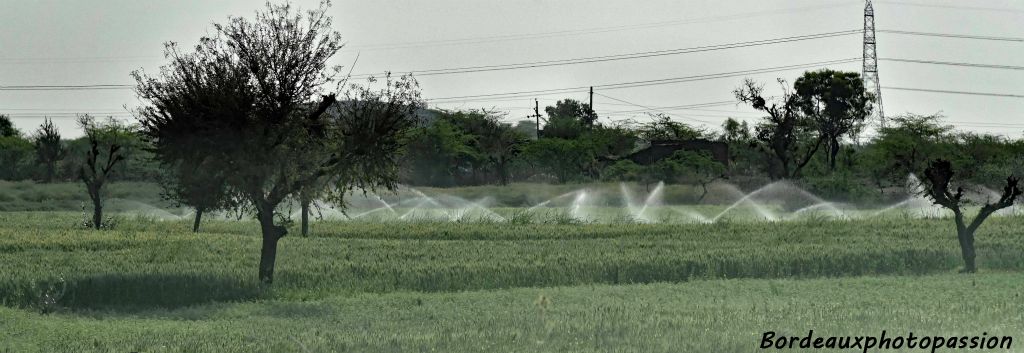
{"x":57,"y":110}
{"x":649,"y":108}
{"x":76,"y":60}
{"x":63,"y":87}
{"x":595,"y":30}
{"x":634,"y":84}
{"x":647,"y":54}
{"x":933,"y":62}
{"x":952,"y":35}
{"x":1003,"y":10}
{"x":956,"y":92}
{"x":626,"y":56}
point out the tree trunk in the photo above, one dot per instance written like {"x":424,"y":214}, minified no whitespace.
{"x":965,"y":235}
{"x":832,"y":153}
{"x":703,"y":186}
{"x":50,"y":172}
{"x":271,"y":234}
{"x":502,"y":173}
{"x":97,"y":213}
{"x":305,"y":217}
{"x":97,"y":204}
{"x":199,"y":217}
{"x":966,"y":238}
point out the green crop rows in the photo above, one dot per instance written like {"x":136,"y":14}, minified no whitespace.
{"x":158,"y":277}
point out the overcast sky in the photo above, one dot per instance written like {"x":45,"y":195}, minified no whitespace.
{"x":101,"y":42}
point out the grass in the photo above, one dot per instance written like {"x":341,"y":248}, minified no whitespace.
{"x":32,"y":196}
{"x":153,"y":286}
{"x":699,"y":316}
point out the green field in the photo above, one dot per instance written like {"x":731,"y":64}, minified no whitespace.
{"x":153,"y":286}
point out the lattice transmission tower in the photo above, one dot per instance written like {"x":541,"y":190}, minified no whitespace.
{"x":870,"y":71}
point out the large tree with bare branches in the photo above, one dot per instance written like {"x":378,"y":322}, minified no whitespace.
{"x":938,"y":177}
{"x":258,"y":104}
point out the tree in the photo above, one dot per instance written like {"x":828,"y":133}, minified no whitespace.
{"x":493,"y":144}
{"x":836,"y":103}
{"x":698,"y":168}
{"x":565,"y":159}
{"x":49,"y":149}
{"x":15,"y":157}
{"x":15,"y":151}
{"x":906,"y":145}
{"x":250,"y":98}
{"x":785,"y":132}
{"x":500,"y":144}
{"x":7,"y":128}
{"x":938,"y":177}
{"x":623,"y":170}
{"x":734,"y":131}
{"x":527,"y":128}
{"x":434,"y":153}
{"x":198,"y":184}
{"x":662,"y":127}
{"x":105,"y":151}
{"x":568,"y":119}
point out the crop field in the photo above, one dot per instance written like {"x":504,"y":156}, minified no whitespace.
{"x":152,"y":285}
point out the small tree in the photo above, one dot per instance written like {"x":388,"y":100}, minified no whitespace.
{"x":105,"y":143}
{"x":49,"y":149}
{"x":938,"y":177}
{"x":698,"y":168}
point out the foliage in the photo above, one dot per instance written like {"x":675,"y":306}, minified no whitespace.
{"x":15,"y":157}
{"x":49,"y":149}
{"x":785,"y":133}
{"x":435,"y":154}
{"x":494,"y":144}
{"x":566,"y":160}
{"x":697,"y":168}
{"x":662,"y":128}
{"x":568,"y":119}
{"x":248,"y":104}
{"x":835,"y":103}
{"x":906,"y":145}
{"x":7,"y":128}
{"x":106,"y":144}
{"x":734,"y":131}
{"x":623,"y":170}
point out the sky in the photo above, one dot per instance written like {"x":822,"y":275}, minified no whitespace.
{"x":47,"y":42}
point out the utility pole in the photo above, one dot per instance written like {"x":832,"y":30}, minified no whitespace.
{"x":870,"y":70}
{"x":591,"y":116}
{"x":536,"y":114}
{"x":591,"y":100}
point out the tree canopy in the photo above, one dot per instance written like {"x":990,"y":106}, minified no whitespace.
{"x":252,"y":104}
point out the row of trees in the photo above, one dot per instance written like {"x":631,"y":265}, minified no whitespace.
{"x":43,"y":155}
